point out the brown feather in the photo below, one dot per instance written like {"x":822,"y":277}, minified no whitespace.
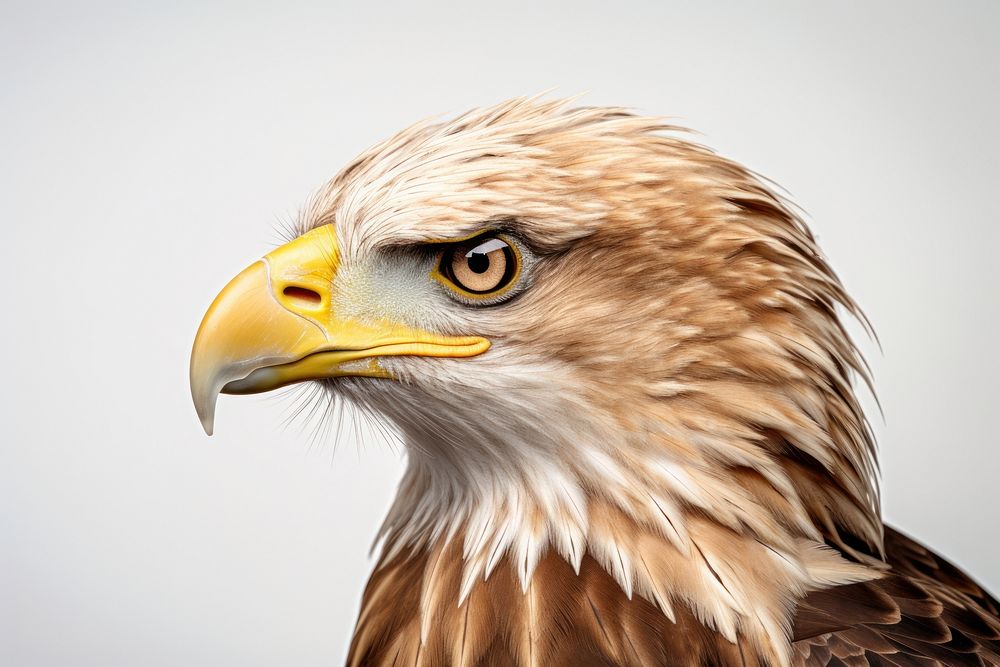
{"x":581,"y":619}
{"x":906,"y":618}
{"x":924,"y":611}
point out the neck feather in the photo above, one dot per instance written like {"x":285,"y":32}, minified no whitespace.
{"x":729,"y":544}
{"x":636,"y":601}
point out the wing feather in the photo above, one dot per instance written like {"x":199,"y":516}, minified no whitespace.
{"x":925,"y":611}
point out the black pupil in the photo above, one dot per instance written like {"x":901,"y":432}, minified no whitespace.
{"x":479,"y":262}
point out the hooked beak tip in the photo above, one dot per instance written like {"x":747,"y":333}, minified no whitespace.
{"x":206,"y":414}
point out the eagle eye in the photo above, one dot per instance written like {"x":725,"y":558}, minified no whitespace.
{"x":481,"y":267}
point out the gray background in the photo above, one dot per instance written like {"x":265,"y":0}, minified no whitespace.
{"x":146,"y":154}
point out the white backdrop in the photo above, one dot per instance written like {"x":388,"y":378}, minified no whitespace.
{"x":146,"y":154}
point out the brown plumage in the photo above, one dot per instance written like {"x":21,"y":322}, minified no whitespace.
{"x":923,"y":612}
{"x":660,"y":460}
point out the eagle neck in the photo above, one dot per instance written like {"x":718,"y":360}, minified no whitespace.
{"x":727,"y":552}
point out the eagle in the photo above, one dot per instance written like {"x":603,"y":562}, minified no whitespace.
{"x":619,"y":364}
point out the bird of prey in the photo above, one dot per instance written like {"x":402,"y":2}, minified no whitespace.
{"x":619,"y":366}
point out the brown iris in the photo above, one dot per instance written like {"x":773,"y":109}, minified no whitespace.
{"x":481,"y":266}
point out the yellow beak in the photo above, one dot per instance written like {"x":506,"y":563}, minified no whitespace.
{"x":273,"y":325}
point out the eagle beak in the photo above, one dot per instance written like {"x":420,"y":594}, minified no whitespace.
{"x":274,"y":325}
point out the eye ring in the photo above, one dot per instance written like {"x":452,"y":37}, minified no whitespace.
{"x":482,"y":268}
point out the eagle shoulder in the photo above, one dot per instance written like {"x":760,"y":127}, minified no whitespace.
{"x":925,"y":611}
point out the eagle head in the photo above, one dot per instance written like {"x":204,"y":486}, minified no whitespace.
{"x":594,"y":336}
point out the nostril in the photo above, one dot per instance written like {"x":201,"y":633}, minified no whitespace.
{"x":302,"y":294}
